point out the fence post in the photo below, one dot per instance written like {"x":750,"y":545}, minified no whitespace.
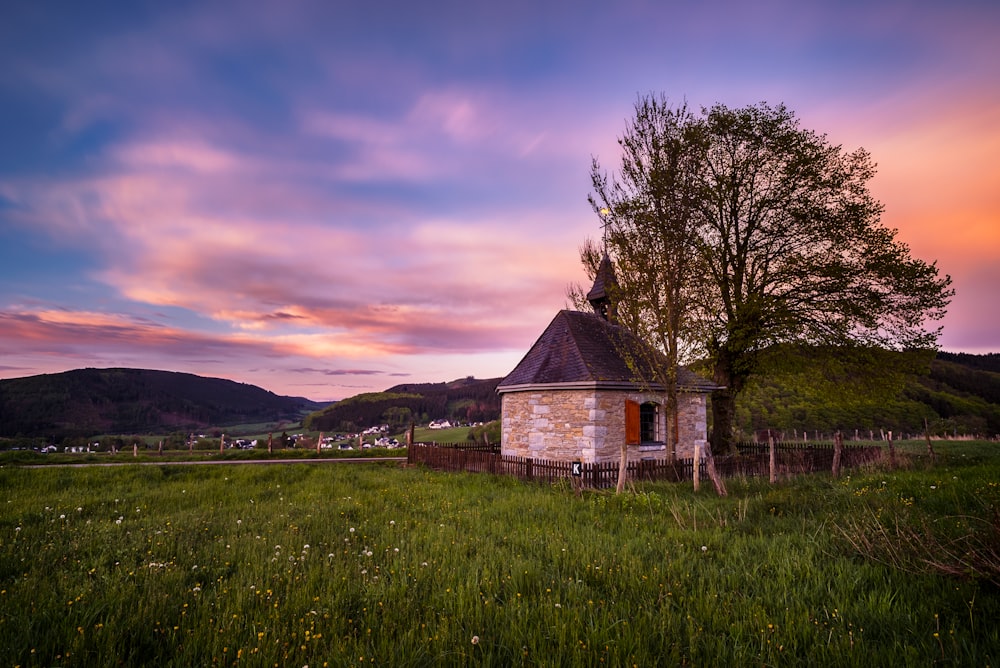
{"x":930,"y":448}
{"x":527,"y":468}
{"x":222,"y":442}
{"x":838,"y":447}
{"x":695,"y":471}
{"x":772,"y":458}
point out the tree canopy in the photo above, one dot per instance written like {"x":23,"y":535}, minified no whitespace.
{"x":736,"y":229}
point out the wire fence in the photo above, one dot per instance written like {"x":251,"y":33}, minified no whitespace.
{"x":752,"y":460}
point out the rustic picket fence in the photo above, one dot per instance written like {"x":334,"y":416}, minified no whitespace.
{"x":753,"y":460}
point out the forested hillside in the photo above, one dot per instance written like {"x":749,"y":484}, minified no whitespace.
{"x":465,"y":400}
{"x":811,"y":389}
{"x":86,"y":402}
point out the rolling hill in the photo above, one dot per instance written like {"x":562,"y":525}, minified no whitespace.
{"x":810,"y":389}
{"x":134,"y":401}
{"x":467,"y":400}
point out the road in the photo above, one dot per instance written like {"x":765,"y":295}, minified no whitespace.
{"x":321,"y":460}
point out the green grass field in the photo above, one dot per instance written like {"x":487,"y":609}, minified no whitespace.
{"x":337,"y":565}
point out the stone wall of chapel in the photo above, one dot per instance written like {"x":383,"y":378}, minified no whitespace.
{"x":589,"y":425}
{"x":560,"y":425}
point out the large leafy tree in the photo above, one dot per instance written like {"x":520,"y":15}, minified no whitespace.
{"x":739,"y":229}
{"x":648,"y":215}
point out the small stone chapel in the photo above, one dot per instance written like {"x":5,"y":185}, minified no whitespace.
{"x":575,"y":396}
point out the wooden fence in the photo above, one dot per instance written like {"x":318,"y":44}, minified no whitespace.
{"x":753,"y":460}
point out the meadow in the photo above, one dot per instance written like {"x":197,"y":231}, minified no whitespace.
{"x":381,"y":564}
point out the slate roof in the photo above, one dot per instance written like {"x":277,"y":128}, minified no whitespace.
{"x":583,"y":349}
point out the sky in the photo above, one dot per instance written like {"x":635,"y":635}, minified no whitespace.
{"x":330,"y":197}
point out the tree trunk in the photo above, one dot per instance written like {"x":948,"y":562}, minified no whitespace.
{"x":672,"y":426}
{"x":723,"y":417}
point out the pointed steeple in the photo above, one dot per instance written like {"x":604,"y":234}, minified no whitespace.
{"x":605,"y":285}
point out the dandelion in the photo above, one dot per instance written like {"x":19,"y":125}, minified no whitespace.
{"x":306,"y":546}
{"x":392,"y":523}
{"x":351,"y":529}
{"x":119,"y":520}
{"x":62,"y":517}
{"x":704,"y":548}
{"x":475,"y":640}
